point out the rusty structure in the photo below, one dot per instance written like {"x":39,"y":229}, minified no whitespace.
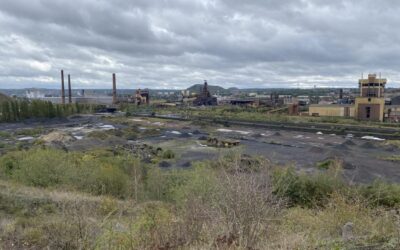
{"x":114,"y":89}
{"x":62,"y":88}
{"x":205,"y":98}
{"x":142,"y":97}
{"x":293,"y":108}
{"x":69,"y":89}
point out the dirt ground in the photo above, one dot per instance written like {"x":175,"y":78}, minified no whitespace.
{"x":362,"y":159}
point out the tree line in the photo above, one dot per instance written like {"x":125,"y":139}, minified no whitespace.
{"x":19,"y":110}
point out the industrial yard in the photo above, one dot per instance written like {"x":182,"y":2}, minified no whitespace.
{"x":190,"y":142}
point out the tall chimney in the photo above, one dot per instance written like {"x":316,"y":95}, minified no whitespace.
{"x":62,"y":88}
{"x":69,"y":89}
{"x":114,"y":91}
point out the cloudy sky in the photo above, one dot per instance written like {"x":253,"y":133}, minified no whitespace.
{"x":177,"y":43}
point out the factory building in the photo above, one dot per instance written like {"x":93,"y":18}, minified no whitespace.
{"x":369,"y":106}
{"x":342,"y":110}
{"x":205,"y":98}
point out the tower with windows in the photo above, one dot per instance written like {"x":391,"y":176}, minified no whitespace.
{"x":370,"y":104}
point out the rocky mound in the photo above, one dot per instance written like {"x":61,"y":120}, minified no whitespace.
{"x":57,"y":137}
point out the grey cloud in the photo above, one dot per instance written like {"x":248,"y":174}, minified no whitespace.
{"x":175,"y":43}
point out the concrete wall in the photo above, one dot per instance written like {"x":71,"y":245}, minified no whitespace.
{"x":376,"y":105}
{"x":332,"y":110}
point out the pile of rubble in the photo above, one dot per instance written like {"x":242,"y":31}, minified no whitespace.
{"x":57,"y":139}
{"x":143,"y":151}
{"x":222,"y":142}
{"x":57,"y":136}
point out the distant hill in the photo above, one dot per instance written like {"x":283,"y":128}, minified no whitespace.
{"x":4,"y":98}
{"x":212,"y":88}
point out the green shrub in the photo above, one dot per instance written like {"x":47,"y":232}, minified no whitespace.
{"x":382,"y":193}
{"x":108,"y":206}
{"x":130,"y":133}
{"x":30,"y":131}
{"x":99,"y":172}
{"x":110,"y":180}
{"x":38,"y":167}
{"x":325,"y":164}
{"x":102,"y":135}
{"x":305,"y":189}
{"x":168,"y":154}
{"x":4,"y":134}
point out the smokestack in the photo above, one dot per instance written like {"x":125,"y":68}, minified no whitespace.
{"x":114,"y":91}
{"x":69,"y":89}
{"x":62,"y":88}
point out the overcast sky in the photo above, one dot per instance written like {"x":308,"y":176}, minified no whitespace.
{"x":177,"y":43}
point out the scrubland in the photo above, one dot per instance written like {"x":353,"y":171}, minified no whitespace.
{"x":108,"y":199}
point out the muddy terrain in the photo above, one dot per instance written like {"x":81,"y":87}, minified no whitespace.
{"x":363,"y":159}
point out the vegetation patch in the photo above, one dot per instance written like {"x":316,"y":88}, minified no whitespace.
{"x":235,"y":202}
{"x":30,"y":131}
{"x":395,"y":158}
{"x":168,"y":154}
{"x":326,"y":164}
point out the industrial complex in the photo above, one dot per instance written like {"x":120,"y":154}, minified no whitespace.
{"x":370,"y":101}
{"x":370,"y":105}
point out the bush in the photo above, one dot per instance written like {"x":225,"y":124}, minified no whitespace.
{"x":325,"y":164}
{"x":110,"y":180}
{"x":5,"y":135}
{"x":321,"y":228}
{"x":382,"y":193}
{"x":99,"y":172}
{"x":168,"y":154}
{"x":36,"y":167}
{"x":304,"y":189}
